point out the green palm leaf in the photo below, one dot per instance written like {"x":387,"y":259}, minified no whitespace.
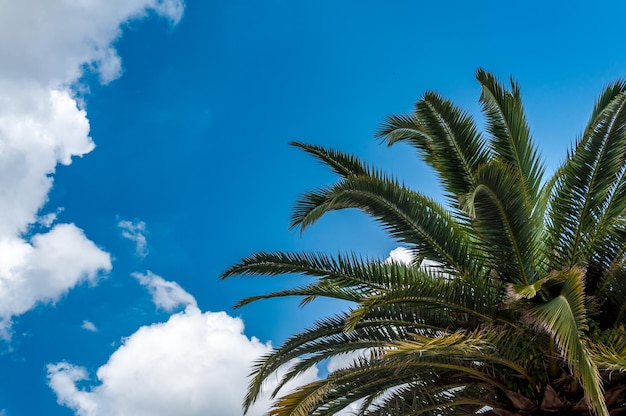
{"x":589,"y":195}
{"x":341,"y":163}
{"x":447,"y":139}
{"x":504,"y":222}
{"x":472,"y":347}
{"x":469,"y":300}
{"x":564,"y":318}
{"x":511,"y":140}
{"x":610,"y":354}
{"x":408,"y":216}
{"x":327,"y":339}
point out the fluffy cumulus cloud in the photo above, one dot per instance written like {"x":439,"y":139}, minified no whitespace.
{"x":194,"y":364}
{"x":44,"y":269}
{"x":52,"y":43}
{"x":45,"y":48}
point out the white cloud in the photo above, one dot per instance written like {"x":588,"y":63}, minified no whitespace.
{"x":339,"y":362}
{"x":89,"y":326}
{"x":173,"y":10}
{"x":36,"y":133}
{"x":430,"y":265}
{"x":48,"y":219}
{"x":401,"y":255}
{"x":194,"y":364}
{"x":53,"y":41}
{"x":166,"y":295}
{"x":344,"y":361}
{"x":45,"y":47}
{"x":44,"y":269}
{"x":405,"y":256}
{"x":62,"y":378}
{"x":136,"y":232}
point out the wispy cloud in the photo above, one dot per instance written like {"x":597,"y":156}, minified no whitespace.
{"x":136,"y":232}
{"x":48,"y":219}
{"x":166,"y":294}
{"x":89,"y":326}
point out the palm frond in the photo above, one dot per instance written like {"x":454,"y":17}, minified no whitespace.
{"x":589,"y":191}
{"x":564,"y":318}
{"x":343,"y":269}
{"x":444,"y":400}
{"x":304,"y":401}
{"x":504,"y":223}
{"x":610,"y":354}
{"x":447,"y":139}
{"x":342,"y":164}
{"x":408,"y":216}
{"x":327,"y":338}
{"x":375,"y":377}
{"x":468,"y":300}
{"x":476,"y":346}
{"x":612,"y":294}
{"x":511,"y":139}
{"x":610,"y":279}
{"x":517,"y":292}
{"x":309,"y":293}
{"x":405,"y":127}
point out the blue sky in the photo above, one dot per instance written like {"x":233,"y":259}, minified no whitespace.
{"x":144,"y":149}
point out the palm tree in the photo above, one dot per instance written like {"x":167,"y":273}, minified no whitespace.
{"x":522,"y":306}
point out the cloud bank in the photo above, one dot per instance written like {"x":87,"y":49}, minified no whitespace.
{"x":45,"y":48}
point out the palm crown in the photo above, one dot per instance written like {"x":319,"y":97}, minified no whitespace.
{"x":522,"y":307}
